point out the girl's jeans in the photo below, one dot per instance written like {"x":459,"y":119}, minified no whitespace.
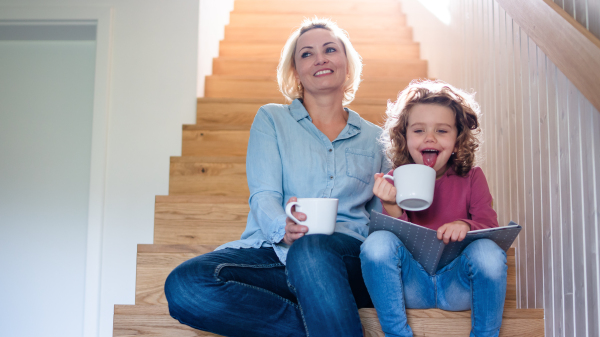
{"x":475,"y":280}
{"x":249,"y":292}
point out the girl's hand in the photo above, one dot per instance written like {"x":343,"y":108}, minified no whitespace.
{"x":384,"y":190}
{"x":453,"y":231}
{"x":387,"y":193}
{"x":294,"y":231}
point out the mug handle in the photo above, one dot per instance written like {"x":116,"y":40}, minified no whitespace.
{"x":288,"y":211}
{"x":387,"y":176}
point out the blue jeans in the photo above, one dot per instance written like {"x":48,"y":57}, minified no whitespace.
{"x":475,"y":280}
{"x":249,"y":292}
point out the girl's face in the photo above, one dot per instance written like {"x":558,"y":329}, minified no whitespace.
{"x":431,"y":135}
{"x":321,"y":64}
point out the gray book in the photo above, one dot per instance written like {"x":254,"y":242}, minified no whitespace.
{"x":434,"y":254}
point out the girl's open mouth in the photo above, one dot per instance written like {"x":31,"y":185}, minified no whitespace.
{"x":429,"y":157}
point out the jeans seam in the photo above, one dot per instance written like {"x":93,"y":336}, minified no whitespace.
{"x":293,"y":289}
{"x":400,"y":270}
{"x":472,"y":293}
{"x":223,"y":265}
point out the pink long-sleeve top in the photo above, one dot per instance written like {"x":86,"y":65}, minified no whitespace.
{"x":457,"y":198}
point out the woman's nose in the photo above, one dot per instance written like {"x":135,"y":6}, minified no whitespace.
{"x":320,"y":59}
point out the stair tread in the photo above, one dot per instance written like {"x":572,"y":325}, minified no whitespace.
{"x":513,"y":313}
{"x":277,"y":99}
{"x":194,"y":248}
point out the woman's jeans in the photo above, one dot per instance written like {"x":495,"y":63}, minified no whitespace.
{"x":475,"y":280}
{"x":249,"y":292}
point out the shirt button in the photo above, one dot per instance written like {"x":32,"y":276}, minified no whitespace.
{"x":330,"y":150}
{"x":330,"y":177}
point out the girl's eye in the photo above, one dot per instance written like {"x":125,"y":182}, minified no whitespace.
{"x":417,"y":130}
{"x":442,"y":131}
{"x":330,"y":50}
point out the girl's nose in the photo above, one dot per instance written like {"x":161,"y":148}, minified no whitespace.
{"x":430,"y":137}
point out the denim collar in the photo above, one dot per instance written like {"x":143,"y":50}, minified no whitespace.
{"x":298,"y":112}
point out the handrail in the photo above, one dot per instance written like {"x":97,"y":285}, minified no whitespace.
{"x":572,"y":48}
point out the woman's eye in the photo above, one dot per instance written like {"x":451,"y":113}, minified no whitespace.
{"x":305,"y":55}
{"x":330,"y":50}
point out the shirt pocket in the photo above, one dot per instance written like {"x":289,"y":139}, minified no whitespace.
{"x":360,"y":164}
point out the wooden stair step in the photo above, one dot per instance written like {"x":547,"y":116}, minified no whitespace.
{"x":199,"y":220}
{"x":248,"y":86}
{"x":411,"y":68}
{"x":272,"y":51}
{"x":225,"y":113}
{"x":358,"y":36}
{"x":198,"y":141}
{"x":349,"y":22}
{"x":154,"y":320}
{"x":319,"y":8}
{"x":155,"y":262}
{"x":214,"y":176}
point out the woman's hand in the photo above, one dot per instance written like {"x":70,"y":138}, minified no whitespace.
{"x":453,"y":231}
{"x":294,"y":231}
{"x":387,"y":193}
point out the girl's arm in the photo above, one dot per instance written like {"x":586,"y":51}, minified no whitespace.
{"x":480,"y":207}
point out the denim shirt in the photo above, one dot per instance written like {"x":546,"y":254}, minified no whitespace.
{"x":289,"y":157}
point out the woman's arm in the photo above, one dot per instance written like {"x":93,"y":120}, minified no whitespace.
{"x":265,"y":178}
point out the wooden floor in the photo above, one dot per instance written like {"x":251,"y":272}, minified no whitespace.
{"x":207,"y":202}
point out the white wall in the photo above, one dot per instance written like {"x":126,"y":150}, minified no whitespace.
{"x":152,"y":92}
{"x":46,"y":100}
{"x":214,"y":15}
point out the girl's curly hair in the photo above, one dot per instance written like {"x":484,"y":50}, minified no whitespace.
{"x":466,"y":112}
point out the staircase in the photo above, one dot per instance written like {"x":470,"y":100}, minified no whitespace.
{"x":207,"y":203}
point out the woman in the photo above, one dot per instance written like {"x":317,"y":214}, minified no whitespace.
{"x":276,"y":281}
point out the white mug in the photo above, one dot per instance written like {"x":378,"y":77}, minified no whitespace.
{"x":414,"y":186}
{"x":321,"y":214}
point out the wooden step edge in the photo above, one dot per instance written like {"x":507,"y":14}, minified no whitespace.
{"x":359,"y":45}
{"x":510,"y":313}
{"x":195,"y":249}
{"x":215,"y":127}
{"x":364,"y":61}
{"x":154,"y":248}
{"x":199,"y":199}
{"x":274,"y":78}
{"x":280,"y":100}
{"x":206,"y":159}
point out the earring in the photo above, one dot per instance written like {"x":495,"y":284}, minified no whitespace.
{"x":299,"y":86}
{"x":452,"y":153}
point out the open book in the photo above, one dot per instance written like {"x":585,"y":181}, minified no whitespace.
{"x":434,"y":254}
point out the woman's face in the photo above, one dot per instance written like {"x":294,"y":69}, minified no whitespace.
{"x":321,"y":63}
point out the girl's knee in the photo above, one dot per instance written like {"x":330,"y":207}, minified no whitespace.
{"x":380,"y":246}
{"x":486,"y":257}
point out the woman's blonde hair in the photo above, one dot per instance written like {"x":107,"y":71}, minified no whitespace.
{"x":290,"y":87}
{"x":466,"y":113}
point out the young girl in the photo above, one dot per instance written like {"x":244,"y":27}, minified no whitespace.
{"x":435,"y":124}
